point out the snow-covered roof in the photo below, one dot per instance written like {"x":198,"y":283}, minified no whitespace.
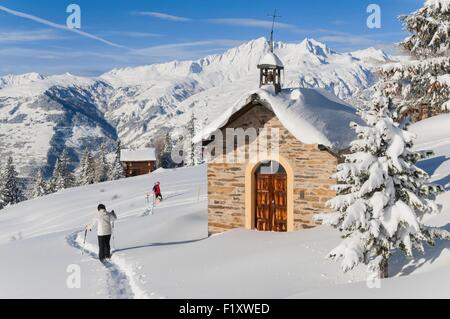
{"x":139,"y":155}
{"x":313,"y":116}
{"x":271,"y":59}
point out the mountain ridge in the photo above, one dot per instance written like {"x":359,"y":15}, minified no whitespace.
{"x":145,"y":102}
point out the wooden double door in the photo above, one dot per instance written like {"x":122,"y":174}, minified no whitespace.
{"x":271,"y":202}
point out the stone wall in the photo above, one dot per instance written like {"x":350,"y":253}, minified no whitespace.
{"x":226,"y":181}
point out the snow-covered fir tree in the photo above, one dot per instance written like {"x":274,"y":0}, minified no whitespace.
{"x":422,"y":85}
{"x":382,"y":195}
{"x":193,"y":152}
{"x":86,"y":170}
{"x":10,"y":188}
{"x":62,"y":176}
{"x":166,"y":153}
{"x":56,"y":180}
{"x":40,"y":187}
{"x":101,"y":166}
{"x":116,"y":171}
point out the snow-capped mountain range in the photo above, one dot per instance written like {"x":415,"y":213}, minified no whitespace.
{"x":40,"y":115}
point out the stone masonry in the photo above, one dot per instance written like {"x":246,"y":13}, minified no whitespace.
{"x":312,"y":170}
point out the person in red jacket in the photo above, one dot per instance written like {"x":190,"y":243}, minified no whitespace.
{"x":157,"y":191}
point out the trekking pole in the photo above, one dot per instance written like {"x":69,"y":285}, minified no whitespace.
{"x":113,"y":241}
{"x":152,"y":208}
{"x":84,"y":242}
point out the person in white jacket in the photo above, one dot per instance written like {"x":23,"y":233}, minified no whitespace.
{"x":102,"y":221}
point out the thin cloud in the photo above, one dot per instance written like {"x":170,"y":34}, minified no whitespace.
{"x":59,"y":26}
{"x":256,"y":23}
{"x":135,"y":34}
{"x":200,"y":43}
{"x":163,"y":16}
{"x":185,"y":50}
{"x":339,"y":22}
{"x":238,"y":22}
{"x":60,"y":53}
{"x":28,"y":36}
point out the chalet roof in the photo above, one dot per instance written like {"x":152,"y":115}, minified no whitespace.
{"x":271,"y":59}
{"x":137,"y":155}
{"x":313,"y":116}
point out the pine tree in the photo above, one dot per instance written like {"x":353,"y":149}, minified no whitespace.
{"x":193,"y":155}
{"x":62,"y":176}
{"x":40,"y":187}
{"x":429,"y":27}
{"x":116,"y":172}
{"x":381,"y":194}
{"x":166,"y":154}
{"x":422,"y":84}
{"x":101,"y":166}
{"x":11,"y":192}
{"x":86,"y":170}
{"x":55,"y":182}
{"x":69,"y":180}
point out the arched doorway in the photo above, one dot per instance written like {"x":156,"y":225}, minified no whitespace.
{"x":271,"y":189}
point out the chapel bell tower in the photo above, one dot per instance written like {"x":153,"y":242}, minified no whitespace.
{"x":270,"y":66}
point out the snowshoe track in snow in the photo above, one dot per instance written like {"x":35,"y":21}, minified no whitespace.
{"x":118,"y":281}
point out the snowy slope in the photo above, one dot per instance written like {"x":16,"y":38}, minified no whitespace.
{"x":40,"y":114}
{"x":168,"y":254}
{"x":42,"y":233}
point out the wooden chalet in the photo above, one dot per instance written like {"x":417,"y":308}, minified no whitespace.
{"x":138,"y":161}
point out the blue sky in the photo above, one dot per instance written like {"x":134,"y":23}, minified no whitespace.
{"x":118,"y":33}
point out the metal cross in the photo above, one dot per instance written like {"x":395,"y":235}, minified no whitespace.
{"x":274,"y":16}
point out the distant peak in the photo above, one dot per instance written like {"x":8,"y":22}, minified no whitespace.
{"x":30,"y":75}
{"x":316,"y":47}
{"x":370,"y":49}
{"x":261,"y":42}
{"x":371,"y":53}
{"x":69,"y":75}
{"x":18,"y":79}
